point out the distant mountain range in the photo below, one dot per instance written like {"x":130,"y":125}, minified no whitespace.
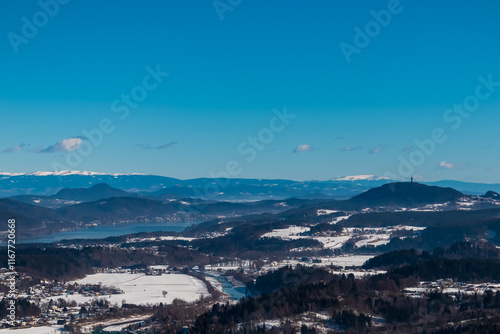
{"x":67,"y":196}
{"x":48,"y":184}
{"x":404,"y":196}
{"x":73,"y":208}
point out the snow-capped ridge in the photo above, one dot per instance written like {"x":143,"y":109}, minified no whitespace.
{"x":67,"y":173}
{"x":361,"y":178}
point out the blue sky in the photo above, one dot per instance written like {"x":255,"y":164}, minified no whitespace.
{"x":227,"y":76}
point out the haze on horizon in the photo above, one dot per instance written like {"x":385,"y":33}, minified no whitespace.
{"x":256,"y":90}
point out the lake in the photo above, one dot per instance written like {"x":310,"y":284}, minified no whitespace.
{"x":104,"y":231}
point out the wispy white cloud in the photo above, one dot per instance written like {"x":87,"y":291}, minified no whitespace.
{"x":493,"y":169}
{"x":17,"y":148}
{"x":167,"y":145}
{"x":376,"y":150}
{"x":159,"y":147}
{"x":351,"y":148}
{"x":145,"y":146}
{"x":303,"y":148}
{"x":451,"y":166}
{"x":446,"y":165}
{"x":64,"y":145}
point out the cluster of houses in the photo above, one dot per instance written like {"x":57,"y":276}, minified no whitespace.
{"x":448,"y":286}
{"x":55,"y":309}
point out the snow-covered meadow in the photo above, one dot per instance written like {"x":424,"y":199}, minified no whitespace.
{"x":34,"y":330}
{"x":369,"y":236}
{"x":143,"y":289}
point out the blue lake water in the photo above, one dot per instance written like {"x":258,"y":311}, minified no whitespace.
{"x":104,"y":231}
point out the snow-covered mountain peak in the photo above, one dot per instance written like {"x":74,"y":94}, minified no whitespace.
{"x":361,"y":178}
{"x":67,"y":173}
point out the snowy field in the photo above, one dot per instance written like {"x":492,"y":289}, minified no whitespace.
{"x":368,"y":236}
{"x":141,"y":289}
{"x":339,"y":219}
{"x":374,"y":240}
{"x":162,"y":238}
{"x":347,"y":261}
{"x":289,"y":233}
{"x":35,"y":330}
{"x":341,"y":261}
{"x":333,"y":242}
{"x":323,"y":212}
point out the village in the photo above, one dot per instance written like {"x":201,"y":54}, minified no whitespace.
{"x":62,"y":303}
{"x":449,"y":287}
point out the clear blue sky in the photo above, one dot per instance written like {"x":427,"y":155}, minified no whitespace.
{"x":227,"y":76}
